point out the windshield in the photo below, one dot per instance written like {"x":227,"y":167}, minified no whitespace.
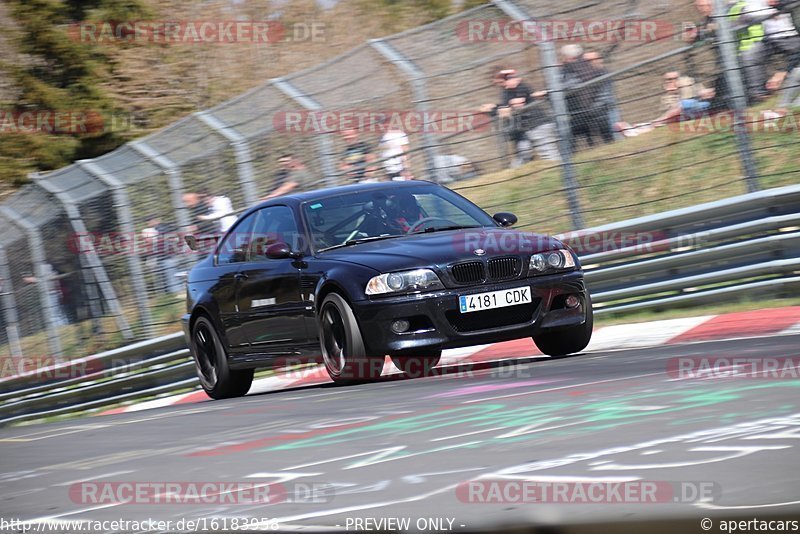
{"x":351,"y":218}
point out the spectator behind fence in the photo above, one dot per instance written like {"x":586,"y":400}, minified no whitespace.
{"x":220,"y":210}
{"x":607,"y":96}
{"x":781,"y":37}
{"x":588,"y":112}
{"x":524,"y":118}
{"x":161,"y":258}
{"x":196,"y":207}
{"x":681,"y":94}
{"x":749,"y":34}
{"x":55,"y":304}
{"x":292,"y":174}
{"x":357,"y":158}
{"x":789,"y":80}
{"x":394,"y":153}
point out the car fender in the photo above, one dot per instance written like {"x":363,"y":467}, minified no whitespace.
{"x":347,"y":279}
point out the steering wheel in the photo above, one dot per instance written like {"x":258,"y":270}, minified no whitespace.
{"x":426,"y":220}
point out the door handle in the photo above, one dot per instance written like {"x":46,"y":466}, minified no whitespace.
{"x":240,"y":276}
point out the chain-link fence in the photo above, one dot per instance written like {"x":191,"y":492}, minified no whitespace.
{"x":613,"y":114}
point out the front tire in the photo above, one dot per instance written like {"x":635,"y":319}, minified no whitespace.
{"x":570,"y":340}
{"x":343,"y":350}
{"x":211,"y":361}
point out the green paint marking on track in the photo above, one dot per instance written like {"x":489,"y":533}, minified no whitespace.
{"x":601,"y":415}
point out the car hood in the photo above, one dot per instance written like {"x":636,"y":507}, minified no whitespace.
{"x":442,"y":248}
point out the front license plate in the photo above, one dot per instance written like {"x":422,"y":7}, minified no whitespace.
{"x":494,"y":299}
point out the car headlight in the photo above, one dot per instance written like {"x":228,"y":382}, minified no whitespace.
{"x":551,"y":261}
{"x":416,"y":280}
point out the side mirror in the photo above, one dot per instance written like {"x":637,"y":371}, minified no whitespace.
{"x":191,"y":242}
{"x":280,"y":251}
{"x":505,"y":219}
{"x":202,"y":243}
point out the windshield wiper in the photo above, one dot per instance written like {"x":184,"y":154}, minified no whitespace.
{"x":445,"y":228}
{"x":352,"y":242}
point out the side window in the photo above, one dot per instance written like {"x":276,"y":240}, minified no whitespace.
{"x":233,"y":248}
{"x":272,"y":225}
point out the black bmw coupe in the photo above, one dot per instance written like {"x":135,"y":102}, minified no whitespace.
{"x":351,"y":274}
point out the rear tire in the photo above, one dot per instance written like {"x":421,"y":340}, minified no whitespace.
{"x":419,"y":365}
{"x":211,"y":361}
{"x":570,"y":340}
{"x":343,"y":350}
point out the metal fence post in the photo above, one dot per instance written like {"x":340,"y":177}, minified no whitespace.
{"x":416,"y":77}
{"x":730,"y":59}
{"x":9,"y":304}
{"x":174,"y":179}
{"x":42,"y":275}
{"x":325,"y":146}
{"x":123,"y":209}
{"x":242,"y":153}
{"x":552,"y":72}
{"x":88,"y":255}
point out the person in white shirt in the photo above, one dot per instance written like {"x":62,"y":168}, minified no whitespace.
{"x":394,"y":145}
{"x":220,"y":209}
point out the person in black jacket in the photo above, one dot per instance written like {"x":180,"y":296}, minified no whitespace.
{"x":587,"y":108}
{"x":790,"y":88}
{"x":524,"y":118}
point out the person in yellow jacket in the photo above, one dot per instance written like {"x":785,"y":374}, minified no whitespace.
{"x":743,"y":16}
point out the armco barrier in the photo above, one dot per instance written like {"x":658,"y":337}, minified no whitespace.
{"x":745,"y":245}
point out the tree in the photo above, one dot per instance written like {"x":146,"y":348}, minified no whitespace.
{"x":55,"y":74}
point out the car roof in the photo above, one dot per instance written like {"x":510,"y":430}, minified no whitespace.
{"x":353,"y":188}
{"x":297,"y":198}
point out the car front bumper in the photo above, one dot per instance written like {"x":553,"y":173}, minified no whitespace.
{"x":437,"y":322}
{"x":185,"y":327}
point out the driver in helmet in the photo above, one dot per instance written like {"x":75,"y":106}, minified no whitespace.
{"x":407,"y":212}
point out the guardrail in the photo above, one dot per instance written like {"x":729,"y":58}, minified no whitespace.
{"x":749,"y":242}
{"x":745,"y":245}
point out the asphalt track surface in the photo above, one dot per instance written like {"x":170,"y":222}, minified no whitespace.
{"x":405,"y":448}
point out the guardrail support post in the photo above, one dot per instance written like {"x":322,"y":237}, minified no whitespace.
{"x":325,"y":145}
{"x":174,"y":179}
{"x":417,"y":79}
{"x":9,"y":304}
{"x":738,"y":100}
{"x":123,"y":209}
{"x":242,"y":153}
{"x":88,"y":256}
{"x":42,"y":274}
{"x":552,"y":72}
